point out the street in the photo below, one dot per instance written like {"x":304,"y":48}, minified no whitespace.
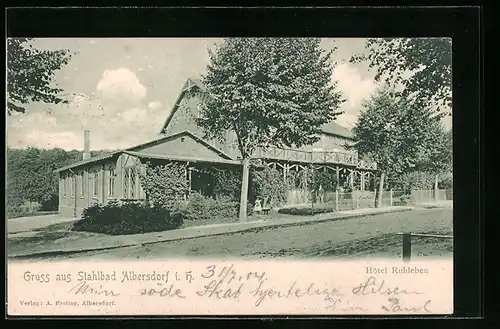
{"x":361,"y":237}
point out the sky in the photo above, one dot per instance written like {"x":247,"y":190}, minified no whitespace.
{"x":123,"y":89}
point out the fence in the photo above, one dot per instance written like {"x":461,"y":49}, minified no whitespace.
{"x":366,"y":199}
{"x":407,"y":242}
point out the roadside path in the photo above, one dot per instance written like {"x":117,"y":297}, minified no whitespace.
{"x":75,"y":242}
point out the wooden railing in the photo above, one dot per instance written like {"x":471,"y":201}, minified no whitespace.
{"x":349,"y":159}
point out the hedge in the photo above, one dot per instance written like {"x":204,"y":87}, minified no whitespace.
{"x":202,"y":210}
{"x":304,"y":211}
{"x":134,"y":218}
{"x":129,"y":218}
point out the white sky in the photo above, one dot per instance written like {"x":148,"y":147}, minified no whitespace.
{"x":127,"y":87}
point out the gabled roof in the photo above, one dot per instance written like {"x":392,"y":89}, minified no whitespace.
{"x":334,"y":128}
{"x":188,"y":86}
{"x":331,"y":128}
{"x":182,"y":133}
{"x":136,"y":148}
{"x":87,"y":161}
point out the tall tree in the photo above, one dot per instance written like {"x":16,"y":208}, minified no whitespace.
{"x":399,"y":134}
{"x":421,"y":65}
{"x":268,"y":91}
{"x":30,"y":72}
{"x":30,"y":175}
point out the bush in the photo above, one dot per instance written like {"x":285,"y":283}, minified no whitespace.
{"x":268,"y":185}
{"x":203,"y":210}
{"x":402,"y":200}
{"x":164,"y":184}
{"x":305,"y":211}
{"x":199,"y":210}
{"x":128,"y":218}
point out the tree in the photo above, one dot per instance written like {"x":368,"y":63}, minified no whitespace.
{"x":268,"y":91}
{"x":30,"y":72}
{"x":31,"y":177}
{"x":421,"y":65}
{"x":270,"y":186}
{"x":399,"y":134}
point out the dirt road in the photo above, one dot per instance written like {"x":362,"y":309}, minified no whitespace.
{"x":370,"y":236}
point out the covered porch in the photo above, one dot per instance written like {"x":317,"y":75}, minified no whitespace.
{"x":199,"y":172}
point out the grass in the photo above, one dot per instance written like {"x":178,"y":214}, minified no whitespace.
{"x":30,"y":214}
{"x":35,"y":240}
{"x":66,"y":226}
{"x":360,"y":237}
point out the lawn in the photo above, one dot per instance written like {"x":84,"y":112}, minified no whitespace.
{"x":361,"y":237}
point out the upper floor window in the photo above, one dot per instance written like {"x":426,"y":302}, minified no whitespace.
{"x":199,"y":111}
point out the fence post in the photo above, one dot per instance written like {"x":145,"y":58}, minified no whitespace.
{"x":436,"y":181}
{"x":421,"y":195}
{"x":390,"y":197}
{"x":406,"y":247}
{"x":337,"y":200}
{"x":358,"y":195}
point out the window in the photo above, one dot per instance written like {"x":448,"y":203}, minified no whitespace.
{"x":125,"y":183}
{"x":63,"y":184}
{"x":83,"y":183}
{"x":72,"y":185}
{"x":199,"y":112}
{"x":130,"y":185}
{"x":111,"y":182}
{"x":95,"y":184}
{"x":133,"y":183}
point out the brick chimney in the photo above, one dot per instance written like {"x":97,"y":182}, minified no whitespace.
{"x":86,"y":145}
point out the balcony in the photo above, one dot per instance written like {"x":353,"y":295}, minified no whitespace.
{"x":316,"y":157}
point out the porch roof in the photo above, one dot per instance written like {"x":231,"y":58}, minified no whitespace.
{"x":183,"y":158}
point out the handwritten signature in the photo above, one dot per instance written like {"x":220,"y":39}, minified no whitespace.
{"x":337,"y":304}
{"x":83,"y":288}
{"x":371,"y":286}
{"x":395,"y":306}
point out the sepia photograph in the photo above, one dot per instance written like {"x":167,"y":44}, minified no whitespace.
{"x":247,"y":148}
{"x":232,"y":149}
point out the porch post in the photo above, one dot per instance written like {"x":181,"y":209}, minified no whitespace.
{"x":337,"y":172}
{"x":351,"y":183}
{"x":190,"y":170}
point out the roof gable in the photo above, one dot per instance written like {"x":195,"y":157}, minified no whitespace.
{"x":189,"y":85}
{"x":331,"y":128}
{"x":153,"y":145}
{"x":207,"y":151}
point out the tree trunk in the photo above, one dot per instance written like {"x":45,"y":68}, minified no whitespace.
{"x":244,"y":190}
{"x":378,"y":200}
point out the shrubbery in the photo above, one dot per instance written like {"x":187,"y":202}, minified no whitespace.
{"x":134,"y":218}
{"x":201,"y":210}
{"x":164,"y":184}
{"x":128,"y":218}
{"x":304,"y":211}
